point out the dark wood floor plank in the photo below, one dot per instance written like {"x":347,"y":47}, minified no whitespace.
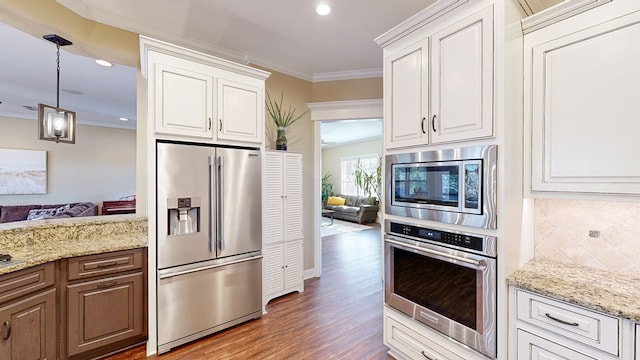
{"x":338,"y":316}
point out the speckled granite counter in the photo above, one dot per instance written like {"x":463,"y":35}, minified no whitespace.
{"x":603,"y":291}
{"x":49,"y":240}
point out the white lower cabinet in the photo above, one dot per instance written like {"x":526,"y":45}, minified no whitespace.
{"x":408,"y":340}
{"x":534,"y":347}
{"x":546,"y":328}
{"x":283,"y":269}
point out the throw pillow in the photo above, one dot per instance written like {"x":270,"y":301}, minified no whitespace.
{"x":62,"y":208}
{"x":37,"y":214}
{"x":335,"y":200}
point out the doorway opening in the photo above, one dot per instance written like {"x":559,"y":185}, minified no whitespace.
{"x":356,"y":112}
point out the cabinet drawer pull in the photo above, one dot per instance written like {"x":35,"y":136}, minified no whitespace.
{"x":422,"y":125}
{"x":426,"y":356}
{"x":220,"y":121}
{"x":6,"y":330}
{"x":433,"y":123}
{"x":107,"y":264}
{"x":209,"y":123}
{"x":107,"y":284}
{"x":560,"y":320}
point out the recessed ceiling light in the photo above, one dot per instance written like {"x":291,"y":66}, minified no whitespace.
{"x":323,"y":9}
{"x":124,"y":119}
{"x":104,"y":63}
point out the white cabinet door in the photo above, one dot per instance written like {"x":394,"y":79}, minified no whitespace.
{"x":293,"y":212}
{"x":240,"y":111}
{"x":283,"y":216}
{"x":273,"y":195}
{"x":407,"y":96}
{"x":293,"y":264}
{"x":462,"y":79}
{"x":531,"y":347}
{"x":582,"y":108}
{"x":183,"y":98}
{"x":273,"y":269}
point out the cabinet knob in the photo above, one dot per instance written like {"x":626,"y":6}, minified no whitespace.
{"x":433,"y":123}
{"x":6,"y":330}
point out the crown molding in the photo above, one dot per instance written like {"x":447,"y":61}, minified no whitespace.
{"x":431,"y":12}
{"x":558,"y":12}
{"x":346,"y":110}
{"x":347,"y":75}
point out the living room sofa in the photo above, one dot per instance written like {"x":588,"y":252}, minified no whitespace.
{"x":10,"y":213}
{"x":354,"y":208}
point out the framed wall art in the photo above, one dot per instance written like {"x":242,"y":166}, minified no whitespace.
{"x":23,"y":172}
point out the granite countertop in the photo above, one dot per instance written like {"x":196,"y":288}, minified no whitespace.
{"x":44,"y":241}
{"x":610,"y":293}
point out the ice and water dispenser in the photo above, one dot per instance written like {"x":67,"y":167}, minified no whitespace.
{"x":184,"y":215}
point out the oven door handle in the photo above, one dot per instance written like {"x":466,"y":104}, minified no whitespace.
{"x":479,"y":264}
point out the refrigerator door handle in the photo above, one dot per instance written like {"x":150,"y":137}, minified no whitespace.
{"x":221,"y":202}
{"x":184,"y":272}
{"x":212,"y":203}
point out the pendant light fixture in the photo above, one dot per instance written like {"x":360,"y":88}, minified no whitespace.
{"x":56,"y":124}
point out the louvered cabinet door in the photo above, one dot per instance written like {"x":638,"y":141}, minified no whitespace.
{"x":293,"y":212}
{"x":274,"y":198}
{"x":293,"y":265}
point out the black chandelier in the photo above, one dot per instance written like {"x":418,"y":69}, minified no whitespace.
{"x":56,"y":124}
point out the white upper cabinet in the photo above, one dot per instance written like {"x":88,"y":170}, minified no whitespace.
{"x":407,"y":95}
{"x":439,"y":88}
{"x":240,"y":111}
{"x":191,"y":95}
{"x":183,"y":98}
{"x":462,"y":80}
{"x":582,"y":104}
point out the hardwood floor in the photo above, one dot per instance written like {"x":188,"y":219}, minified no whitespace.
{"x":338,"y":316}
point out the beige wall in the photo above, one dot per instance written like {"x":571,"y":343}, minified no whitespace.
{"x":331,"y":157}
{"x":357,"y":89}
{"x":562,"y":233}
{"x":100,"y":166}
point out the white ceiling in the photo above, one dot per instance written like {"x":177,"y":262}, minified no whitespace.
{"x":98,"y":95}
{"x":283,"y":35}
{"x":334,"y":133}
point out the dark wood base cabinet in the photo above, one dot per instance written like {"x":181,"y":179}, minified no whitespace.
{"x":97,"y":306}
{"x":105,"y":303}
{"x":28,"y":327}
{"x":28,"y":314}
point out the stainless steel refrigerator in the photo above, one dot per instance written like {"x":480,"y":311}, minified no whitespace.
{"x":209,"y":240}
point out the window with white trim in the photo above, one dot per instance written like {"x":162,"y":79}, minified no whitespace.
{"x":348,"y":164}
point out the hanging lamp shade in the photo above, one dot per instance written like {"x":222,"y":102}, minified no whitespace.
{"x":54,"y":123}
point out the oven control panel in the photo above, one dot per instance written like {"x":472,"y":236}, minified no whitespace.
{"x":444,"y":237}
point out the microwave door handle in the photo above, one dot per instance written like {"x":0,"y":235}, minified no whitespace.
{"x":221,"y":201}
{"x":479,"y":264}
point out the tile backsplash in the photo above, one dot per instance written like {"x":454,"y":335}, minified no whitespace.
{"x":562,"y":233}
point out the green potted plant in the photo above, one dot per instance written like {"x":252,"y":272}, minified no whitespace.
{"x":327,"y":188}
{"x":370,"y":181}
{"x":282,"y":119}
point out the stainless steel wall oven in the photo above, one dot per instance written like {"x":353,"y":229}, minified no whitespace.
{"x":456,"y":186}
{"x":445,"y":280}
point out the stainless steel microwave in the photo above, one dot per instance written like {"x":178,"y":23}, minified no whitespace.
{"x":455,"y":186}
